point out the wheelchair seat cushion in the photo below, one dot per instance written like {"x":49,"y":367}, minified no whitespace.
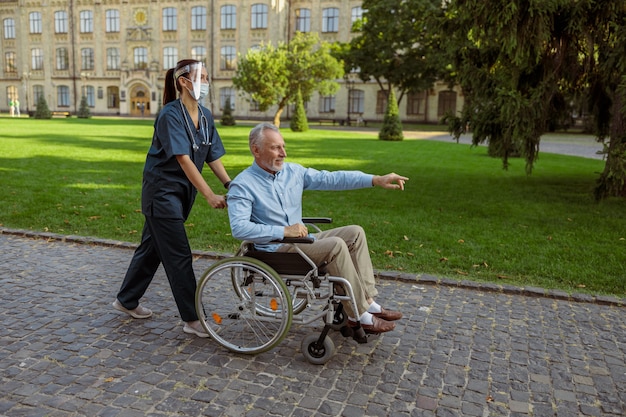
{"x":284,"y":263}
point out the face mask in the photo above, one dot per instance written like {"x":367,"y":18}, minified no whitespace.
{"x":204,"y":91}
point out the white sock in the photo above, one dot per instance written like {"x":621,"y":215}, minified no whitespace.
{"x":375,"y":307}
{"x":366,"y":318}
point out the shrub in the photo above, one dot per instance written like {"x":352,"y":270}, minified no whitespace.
{"x":83,"y":110}
{"x":227,"y":115}
{"x":42,"y":112}
{"x":392,"y":126}
{"x":298,"y":122}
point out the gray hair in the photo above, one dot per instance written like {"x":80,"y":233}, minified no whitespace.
{"x":257,"y":134}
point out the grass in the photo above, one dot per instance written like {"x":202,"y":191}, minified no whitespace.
{"x":461,"y":215}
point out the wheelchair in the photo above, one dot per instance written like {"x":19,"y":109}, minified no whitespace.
{"x":248,"y":303}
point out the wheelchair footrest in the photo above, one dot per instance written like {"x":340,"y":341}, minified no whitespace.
{"x":356,"y":333}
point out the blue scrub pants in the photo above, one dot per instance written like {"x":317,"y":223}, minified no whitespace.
{"x":162,"y":241}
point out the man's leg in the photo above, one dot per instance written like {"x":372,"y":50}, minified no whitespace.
{"x":355,"y":239}
{"x":334,"y":250}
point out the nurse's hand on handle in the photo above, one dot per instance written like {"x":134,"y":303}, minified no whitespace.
{"x":216,"y":201}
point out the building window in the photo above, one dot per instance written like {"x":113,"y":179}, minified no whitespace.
{"x":327,"y":104}
{"x":357,"y":14}
{"x":86,"y":55}
{"x":259,"y":16}
{"x":63,"y":96}
{"x":330,"y":20}
{"x":356,"y":101}
{"x":227,"y":93}
{"x":228,"y":58}
{"x":447,"y":103}
{"x":113,"y":97}
{"x":37,"y":93}
{"x":381,"y":102}
{"x":140,"y":58}
{"x":303,"y":20}
{"x":86,"y":21}
{"x":9,"y":28}
{"x":169,"y":19}
{"x":10,"y":62}
{"x":60,"y":21}
{"x":415,"y":103}
{"x":199,"y":53}
{"x":170,"y":57}
{"x":36,"y":59}
{"x":34,"y":20}
{"x":112,"y":20}
{"x":90,"y":95}
{"x":113,"y":59}
{"x":198,"y":18}
{"x":229,"y":17}
{"x":62,"y":59}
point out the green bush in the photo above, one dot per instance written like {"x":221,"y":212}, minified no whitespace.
{"x":392,"y":126}
{"x":227,"y":115}
{"x":298,"y":122}
{"x":83,"y":110}
{"x":42,"y":112}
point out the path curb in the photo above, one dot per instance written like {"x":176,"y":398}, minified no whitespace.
{"x":424,"y":279}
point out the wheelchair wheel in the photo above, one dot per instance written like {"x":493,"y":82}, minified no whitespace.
{"x":317,"y":354}
{"x":244,"y":305}
{"x":298,"y":304}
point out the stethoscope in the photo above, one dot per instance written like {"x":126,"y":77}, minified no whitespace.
{"x":204,"y":127}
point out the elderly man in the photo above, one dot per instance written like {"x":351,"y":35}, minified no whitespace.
{"x":265,"y":205}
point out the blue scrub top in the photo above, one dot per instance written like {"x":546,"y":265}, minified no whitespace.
{"x":166,"y":191}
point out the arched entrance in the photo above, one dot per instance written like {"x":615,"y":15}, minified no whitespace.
{"x":140,"y":101}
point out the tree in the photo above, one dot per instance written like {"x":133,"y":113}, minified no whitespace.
{"x":42,"y":112}
{"x":299,"y":122}
{"x":227,"y":114}
{"x":83,"y":110}
{"x":392,"y":126}
{"x":273,"y":76}
{"x":519,"y":63}
{"x":397,"y":45}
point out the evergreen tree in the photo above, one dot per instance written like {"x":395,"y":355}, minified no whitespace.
{"x":42,"y":112}
{"x":392,"y":126}
{"x":227,"y":114}
{"x":299,"y":121}
{"x":83,"y":110}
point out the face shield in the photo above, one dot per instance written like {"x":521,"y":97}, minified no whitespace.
{"x":194,"y":73}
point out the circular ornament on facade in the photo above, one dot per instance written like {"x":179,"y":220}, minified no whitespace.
{"x":140,"y":17}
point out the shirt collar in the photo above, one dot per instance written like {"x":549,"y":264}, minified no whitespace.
{"x":257,"y":170}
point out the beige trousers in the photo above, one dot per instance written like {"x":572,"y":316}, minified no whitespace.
{"x":345,"y":249}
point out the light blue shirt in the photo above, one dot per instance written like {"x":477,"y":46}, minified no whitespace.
{"x":261,"y":204}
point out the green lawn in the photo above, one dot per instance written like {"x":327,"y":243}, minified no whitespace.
{"x":461,"y":215}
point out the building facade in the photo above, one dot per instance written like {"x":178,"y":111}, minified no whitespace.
{"x":115,"y":53}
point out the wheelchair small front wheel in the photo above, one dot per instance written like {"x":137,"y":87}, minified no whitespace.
{"x":317,"y":353}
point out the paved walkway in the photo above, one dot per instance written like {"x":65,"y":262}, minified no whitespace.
{"x":461,"y":350}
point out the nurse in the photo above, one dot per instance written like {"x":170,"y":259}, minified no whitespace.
{"x":185,"y":138}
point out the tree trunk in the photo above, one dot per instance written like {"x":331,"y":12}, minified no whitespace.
{"x":612,"y":182}
{"x":281,"y":107}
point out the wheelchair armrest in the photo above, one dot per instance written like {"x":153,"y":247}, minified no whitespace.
{"x":317,"y":220}
{"x":296,"y":240}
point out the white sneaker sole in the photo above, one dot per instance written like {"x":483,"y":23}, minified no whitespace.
{"x":119,"y":307}
{"x":191,"y":330}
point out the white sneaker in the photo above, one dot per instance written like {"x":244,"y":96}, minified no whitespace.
{"x":193,"y":330}
{"x":138,"y":313}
